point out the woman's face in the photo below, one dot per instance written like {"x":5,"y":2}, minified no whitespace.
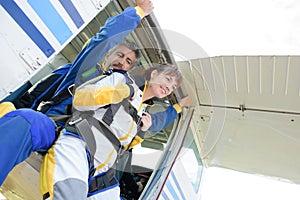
{"x":161,"y":85}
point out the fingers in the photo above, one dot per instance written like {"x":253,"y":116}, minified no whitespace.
{"x":186,"y":101}
{"x":146,"y":5}
{"x":147,"y":122}
{"x":140,"y":186}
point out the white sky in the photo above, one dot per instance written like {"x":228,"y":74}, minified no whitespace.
{"x":231,"y":185}
{"x":234,"y":27}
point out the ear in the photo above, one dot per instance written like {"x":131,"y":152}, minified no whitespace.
{"x":154,"y":73}
{"x":107,"y":55}
{"x":105,"y":60}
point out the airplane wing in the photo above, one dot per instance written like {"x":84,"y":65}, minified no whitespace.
{"x":247,"y":113}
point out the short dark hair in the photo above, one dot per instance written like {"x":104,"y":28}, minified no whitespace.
{"x":132,"y":46}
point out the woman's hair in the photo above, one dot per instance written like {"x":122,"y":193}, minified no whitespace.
{"x":167,"y":69}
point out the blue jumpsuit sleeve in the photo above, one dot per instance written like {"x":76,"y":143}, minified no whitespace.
{"x":113,"y":32}
{"x":23,"y":131}
{"x":161,"y":120}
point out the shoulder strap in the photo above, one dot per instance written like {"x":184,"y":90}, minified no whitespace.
{"x":84,"y":130}
{"x":106,"y":132}
{"x":112,"y":109}
{"x":82,"y":123}
{"x":65,"y":94}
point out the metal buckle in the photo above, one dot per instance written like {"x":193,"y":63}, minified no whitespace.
{"x":75,"y":121}
{"x":70,"y":89}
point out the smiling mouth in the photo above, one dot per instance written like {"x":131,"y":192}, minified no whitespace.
{"x":164,"y":90}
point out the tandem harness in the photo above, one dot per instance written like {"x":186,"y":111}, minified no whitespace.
{"x":80,"y":125}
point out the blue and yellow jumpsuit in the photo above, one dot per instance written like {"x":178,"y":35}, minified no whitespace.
{"x":19,"y":129}
{"x":65,"y":168}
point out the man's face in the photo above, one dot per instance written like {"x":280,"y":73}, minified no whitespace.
{"x":121,"y":58}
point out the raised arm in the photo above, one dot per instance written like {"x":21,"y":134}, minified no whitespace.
{"x":113,"y":32}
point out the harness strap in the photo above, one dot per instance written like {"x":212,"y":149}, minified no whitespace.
{"x":97,"y":183}
{"x":59,"y":118}
{"x":83,"y":129}
{"x":102,"y":181}
{"x":104,"y":129}
{"x":112,"y":109}
{"x":65,"y":94}
{"x":81,"y":126}
{"x":110,"y":112}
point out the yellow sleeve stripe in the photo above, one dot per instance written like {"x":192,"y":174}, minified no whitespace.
{"x":177,"y":108}
{"x":106,"y":161}
{"x":101,"y":96}
{"x":140,"y":12}
{"x":137,"y":140}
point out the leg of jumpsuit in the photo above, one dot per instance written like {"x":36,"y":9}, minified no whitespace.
{"x":65,"y":169}
{"x":22,"y":132}
{"x":105,"y":157}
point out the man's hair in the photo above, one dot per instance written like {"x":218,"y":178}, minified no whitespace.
{"x":127,"y":43}
{"x":132,"y":46}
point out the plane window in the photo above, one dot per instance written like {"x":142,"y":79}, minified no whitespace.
{"x":191,"y":161}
